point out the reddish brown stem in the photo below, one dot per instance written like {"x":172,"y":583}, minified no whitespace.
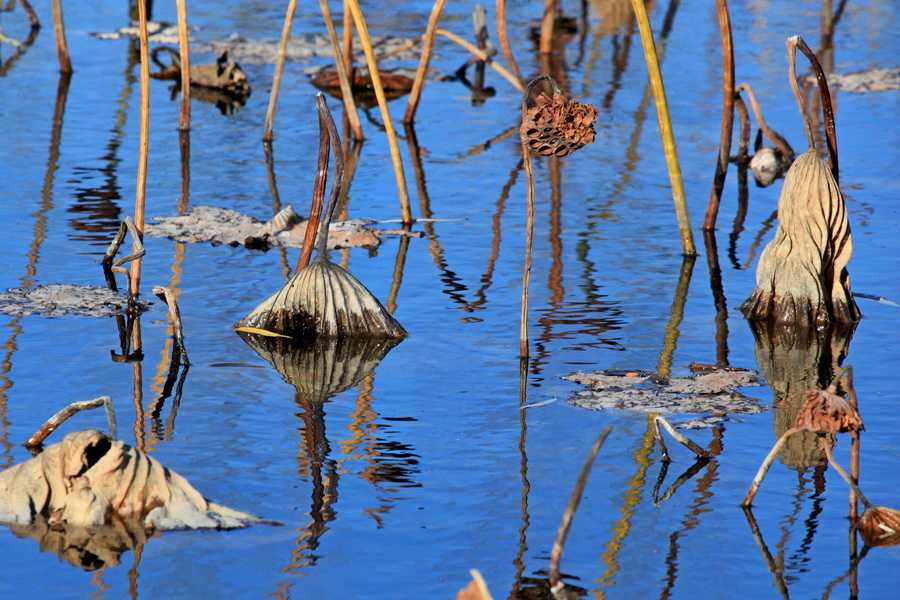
{"x":315,"y":208}
{"x":827,"y":110}
{"x":715,"y":194}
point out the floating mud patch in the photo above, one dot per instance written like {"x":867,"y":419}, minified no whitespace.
{"x":713,"y":394}
{"x":58,"y":300}
{"x":860,"y":82}
{"x":223,"y":226}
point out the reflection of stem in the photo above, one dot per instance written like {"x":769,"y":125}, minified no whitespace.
{"x":397,"y":277}
{"x":276,"y":202}
{"x":715,"y":194}
{"x":629,"y":502}
{"x":427,"y":48}
{"x":718,"y":292}
{"x":766,"y":226}
{"x":137,"y":383}
{"x":776,"y":572}
{"x":670,"y":342}
{"x":27,"y":280}
{"x":519,"y":560}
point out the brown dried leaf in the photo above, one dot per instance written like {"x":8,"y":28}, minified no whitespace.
{"x":823,"y":412}
{"x":880,"y":526}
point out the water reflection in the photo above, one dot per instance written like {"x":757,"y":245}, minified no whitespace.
{"x":318,"y":371}
{"x":793,"y":362}
{"x":96,"y":211}
{"x":23,"y":46}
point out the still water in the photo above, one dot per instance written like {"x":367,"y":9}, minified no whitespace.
{"x":426,"y":467}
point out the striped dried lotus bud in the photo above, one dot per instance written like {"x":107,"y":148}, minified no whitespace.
{"x":552,"y":124}
{"x":802,"y":276}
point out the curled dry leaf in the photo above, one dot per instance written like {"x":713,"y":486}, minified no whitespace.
{"x":880,"y":526}
{"x":89,"y":480}
{"x":552,"y":124}
{"x":823,"y":412}
{"x":802,"y":276}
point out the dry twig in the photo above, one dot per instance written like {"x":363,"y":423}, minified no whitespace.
{"x":53,"y":423}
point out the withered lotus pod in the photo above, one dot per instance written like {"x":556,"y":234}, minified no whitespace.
{"x":323,"y":299}
{"x":880,"y":526}
{"x":552,"y":124}
{"x":802,"y":276}
{"x":824,"y":412}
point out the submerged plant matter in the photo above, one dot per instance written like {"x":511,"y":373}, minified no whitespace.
{"x":324,"y":299}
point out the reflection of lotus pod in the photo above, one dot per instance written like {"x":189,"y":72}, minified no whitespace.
{"x":880,"y":526}
{"x":324,"y":367}
{"x":553,"y":125}
{"x":802,"y":277}
{"x":824,"y":412}
{"x":324,"y":299}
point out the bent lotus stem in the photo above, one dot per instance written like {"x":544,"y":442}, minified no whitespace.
{"x":480,"y":55}
{"x":571,"y":507}
{"x":776,"y":138}
{"x":360,"y":22}
{"x":837,"y":467}
{"x":824,"y":94}
{"x":665,"y":127}
{"x":427,"y":47}
{"x":53,"y":423}
{"x":504,"y":41}
{"x":660,"y":421}
{"x":318,"y":199}
{"x":279,"y":68}
{"x":766,"y":463}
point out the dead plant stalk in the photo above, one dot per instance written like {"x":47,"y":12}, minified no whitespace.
{"x":715,"y":194}
{"x":665,"y":127}
{"x":427,"y":47}
{"x":53,"y":423}
{"x":360,"y":23}
{"x":529,"y":241}
{"x":143,"y":150}
{"x":59,"y":30}
{"x":504,"y":40}
{"x":184,"y":121}
{"x":279,"y":68}
{"x":342,"y":71}
{"x":571,"y":507}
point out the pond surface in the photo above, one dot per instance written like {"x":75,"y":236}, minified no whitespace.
{"x":427,"y":466}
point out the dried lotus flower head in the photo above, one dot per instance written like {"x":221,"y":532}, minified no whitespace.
{"x":880,"y":526}
{"x":824,"y":412}
{"x":552,"y":124}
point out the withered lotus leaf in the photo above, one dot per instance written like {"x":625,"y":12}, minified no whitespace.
{"x":89,"y":479}
{"x":880,"y":526}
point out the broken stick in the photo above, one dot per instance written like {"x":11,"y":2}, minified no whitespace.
{"x":168,"y":297}
{"x":684,"y":441}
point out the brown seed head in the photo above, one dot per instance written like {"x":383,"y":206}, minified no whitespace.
{"x":824,"y":412}
{"x":552,"y":124}
{"x":880,"y":526}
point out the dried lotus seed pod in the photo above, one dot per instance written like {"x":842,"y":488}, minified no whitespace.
{"x":552,"y":124}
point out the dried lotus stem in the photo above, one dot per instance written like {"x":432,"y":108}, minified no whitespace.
{"x":171,"y":301}
{"x":315,"y":208}
{"x":279,"y":69}
{"x":59,"y":29}
{"x":776,"y":138}
{"x":360,"y":22}
{"x":715,"y":194}
{"x":794,"y":42}
{"x":427,"y":47}
{"x":143,"y":151}
{"x":665,"y":127}
{"x":504,"y":40}
{"x":548,"y":21}
{"x":53,"y":423}
{"x":184,"y":121}
{"x":658,"y":421}
{"x":529,"y":241}
{"x":766,"y":463}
